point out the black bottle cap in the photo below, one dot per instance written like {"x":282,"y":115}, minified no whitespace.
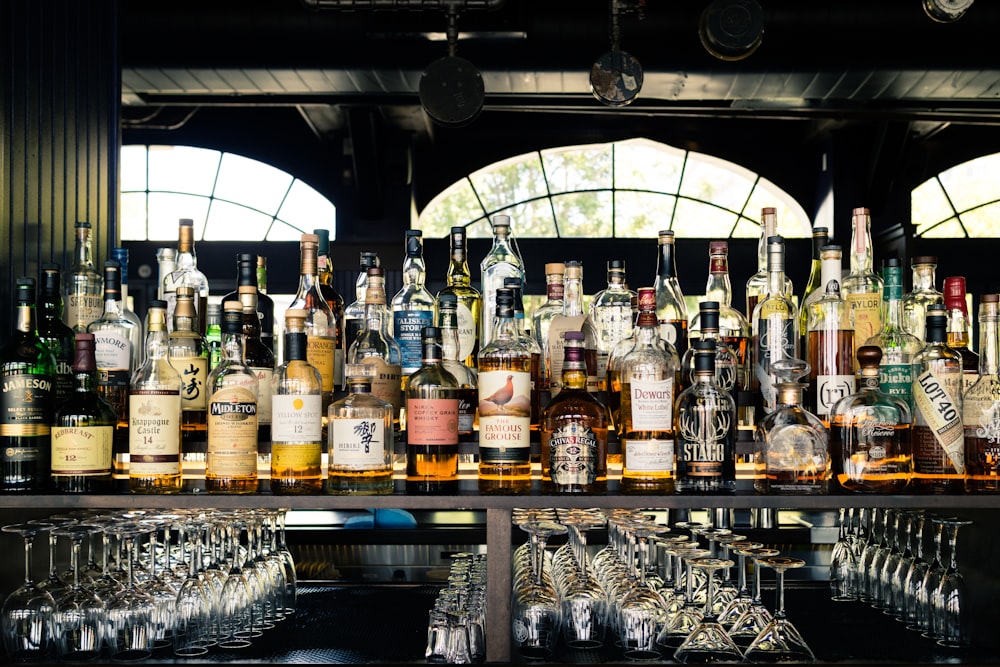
{"x":112,"y":276}
{"x":232,"y":317}
{"x":891,"y":262}
{"x":936,"y":328}
{"x":704,"y":355}
{"x":25,"y":291}
{"x":50,"y":279}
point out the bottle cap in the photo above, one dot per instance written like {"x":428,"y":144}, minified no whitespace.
{"x":821,"y":231}
{"x":82,"y":224}
{"x":616,"y":265}
{"x":789,"y":371}
{"x":323,"y":240}
{"x":26,"y":291}
{"x":574,"y":269}
{"x":665,"y":236}
{"x":891,"y":262}
{"x":431,"y":334}
{"x":261,"y":262}
{"x":310,"y":239}
{"x":989,"y":298}
{"x":50,"y":279}
{"x":447,"y":300}
{"x":414,"y":243}
{"x":83,"y":358}
{"x":295,"y":315}
{"x":718,"y":247}
{"x":573,"y":335}
{"x":186,"y":222}
{"x":157,"y":315}
{"x":245,"y":258}
{"x":112,"y":277}
{"x":369,"y":259}
{"x":704,"y":355}
{"x":232,"y":317}
{"x":954,"y":292}
{"x":555,"y":268}
{"x":512,"y":282}
{"x":647,"y":298}
{"x":500,"y":221}
{"x":935,"y":327}
{"x":359,"y":373}
{"x":860,"y":211}
{"x":924,"y":259}
{"x":869,"y":358}
{"x":708,"y":312}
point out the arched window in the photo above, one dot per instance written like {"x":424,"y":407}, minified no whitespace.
{"x":625,"y":189}
{"x":961,"y":202}
{"x":229,"y":197}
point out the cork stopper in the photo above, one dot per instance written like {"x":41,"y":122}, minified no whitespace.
{"x":574,"y":270}
{"x":555,"y":269}
{"x":295,"y":319}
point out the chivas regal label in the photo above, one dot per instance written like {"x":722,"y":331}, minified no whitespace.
{"x":573,"y":455}
{"x":937,"y":410}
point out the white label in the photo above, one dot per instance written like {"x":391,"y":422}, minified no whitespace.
{"x":466,"y":331}
{"x":264,"y":376}
{"x":830,"y":389}
{"x":358,"y":442}
{"x":937,"y":409}
{"x":154,"y":439}
{"x":112,"y":350}
{"x":296,"y":418}
{"x":504,"y":410}
{"x":648,"y":455}
{"x":652,"y":404}
{"x":194,"y":373}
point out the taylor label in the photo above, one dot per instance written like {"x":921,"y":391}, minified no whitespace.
{"x":937,"y":410}
{"x":296,"y":418}
{"x":232,"y":432}
{"x":407,"y":328}
{"x":650,"y":404}
{"x":357,"y":442}
{"x":154,"y":437}
{"x":866,"y":314}
{"x":264,"y":376}
{"x":82,"y":450}
{"x":193,"y":372}
{"x":573,"y":455}
{"x":653,"y":455}
{"x":504,"y":415}
{"x":321,"y":354}
{"x":432,"y":421}
{"x":830,"y":389}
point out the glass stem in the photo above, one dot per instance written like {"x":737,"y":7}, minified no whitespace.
{"x":952,"y":546}
{"x":709,"y":593}
{"x":27,"y":561}
{"x":74,"y":557}
{"x":642,"y":561}
{"x":52,"y":555}
{"x":779,"y":581}
{"x":756,"y":581}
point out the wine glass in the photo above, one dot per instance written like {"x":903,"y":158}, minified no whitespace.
{"x":748,"y":626}
{"x":744,"y":597}
{"x":236,"y":611}
{"x":680,"y":624}
{"x":536,"y":614}
{"x":915,"y":575}
{"x":157,"y":587}
{"x":950,"y":602}
{"x":924,"y":596}
{"x":709,"y":641}
{"x":53,"y":583}
{"x":78,"y":617}
{"x":640,"y":611}
{"x":27,"y":612}
{"x":584,"y":602}
{"x":843,"y":564}
{"x":130,"y":612}
{"x":875,"y":534}
{"x":288,"y":562}
{"x":780,"y":641}
{"x":194,"y":610}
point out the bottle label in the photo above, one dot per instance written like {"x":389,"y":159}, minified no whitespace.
{"x":651,"y":404}
{"x":296,"y":418}
{"x":64,"y":382}
{"x":866,"y":314}
{"x":726,"y":372}
{"x":775,"y":340}
{"x":466,"y":331}
{"x":897,"y":380}
{"x":26,"y":405}
{"x":352,"y":328}
{"x":84,"y":451}
{"x":264,"y":376}
{"x":702,"y":438}
{"x":386,"y":381}
{"x":112,"y":350}
{"x":232,"y":432}
{"x":357,"y":442}
{"x":830,"y":389}
{"x":573,"y":455}
{"x":193,"y":372}
{"x":653,"y":455}
{"x":432,"y":421}
{"x":407,"y":328}
{"x":288,"y":457}
{"x":82,"y":309}
{"x":938,"y":411}
{"x":154,"y":434}
{"x":466,"y":411}
{"x":504,"y":415}
{"x":321,"y":354}
{"x":557,"y":345}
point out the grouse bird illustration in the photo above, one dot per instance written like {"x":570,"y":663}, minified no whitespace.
{"x":502,"y":395}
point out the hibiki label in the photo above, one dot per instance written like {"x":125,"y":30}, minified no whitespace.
{"x":357,"y":442}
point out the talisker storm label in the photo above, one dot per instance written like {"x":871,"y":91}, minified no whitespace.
{"x":504,"y":415}
{"x":407,"y":327}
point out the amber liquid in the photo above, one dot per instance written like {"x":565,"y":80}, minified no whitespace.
{"x":359,"y":482}
{"x":937,"y":474}
{"x":194,"y":439}
{"x":642,"y":481}
{"x":829,"y":354}
{"x":982,"y":464}
{"x":506,"y":476}
{"x":858,"y":473}
{"x":431,"y":468}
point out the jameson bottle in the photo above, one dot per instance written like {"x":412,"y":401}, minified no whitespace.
{"x":502,"y":261}
{"x":432,"y":422}
{"x":324,"y":267}
{"x":155,"y":414}
{"x":469,"y":301}
{"x":186,"y":272}
{"x":354,"y":314}
{"x":27,"y":399}
{"x":862,"y":287}
{"x":981,"y":407}
{"x":82,"y":289}
{"x":361,"y":440}
{"x":412,"y":306}
{"x":375,"y":346}
{"x":189,"y":355}
{"x":56,"y":334}
{"x":671,"y":309}
{"x":84,"y":429}
{"x":321,"y":331}
{"x":248,"y":275}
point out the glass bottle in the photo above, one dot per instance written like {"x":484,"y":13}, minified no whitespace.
{"x":354,"y":314}
{"x":262,"y":274}
{"x":502,"y":261}
{"x":528,"y":341}
{"x":757,"y":283}
{"x":27,"y":399}
{"x":213,"y":334}
{"x":938,"y":434}
{"x":448,"y":322}
{"x":324,"y":268}
{"x":361,"y":438}
{"x":165,"y":264}
{"x":959,"y":338}
{"x":56,"y":334}
{"x":829,"y":342}
{"x":671,"y":308}
{"x":154,"y":413}
{"x":923,"y":294}
{"x":648,"y":387}
{"x":775,"y":324}
{"x":815,"y":285}
{"x":574,"y":428}
{"x":981,"y":407}
{"x":186,"y":273}
{"x":321,"y":333}
{"x":121,"y":256}
{"x":83,"y":430}
{"x":231,"y":465}
{"x":260,"y":359}
{"x":376,"y":346}
{"x":296,"y":415}
{"x":247,"y":272}
{"x":82,"y":290}
{"x":573,"y":318}
{"x":705,"y":427}
{"x":432,"y":422}
{"x":862,"y":287}
{"x":611,"y":313}
{"x":189,"y":355}
{"x":412,"y":306}
{"x":727,"y":368}
{"x":469,"y":301}
{"x":504,"y":403}
{"x":541,"y":319}
{"x":792,"y":454}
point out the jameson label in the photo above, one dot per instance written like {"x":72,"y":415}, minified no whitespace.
{"x":264,"y":376}
{"x":866,"y":314}
{"x":650,"y":404}
{"x":830,"y":389}
{"x":321,"y":353}
{"x":82,"y":309}
{"x":154,"y":435}
{"x":193,"y":372}
{"x":84,"y":451}
{"x":296,"y":418}
{"x":775,"y":340}
{"x":504,"y":415}
{"x":386,"y":381}
{"x":112,"y":350}
{"x":357,"y":442}
{"x":432,"y":421}
{"x":557,"y":344}
{"x":232,"y":432}
{"x":653,"y":455}
{"x":407,"y":327}
{"x":938,"y":411}
{"x":25,"y":404}
{"x":573,"y":455}
{"x":897,"y":380}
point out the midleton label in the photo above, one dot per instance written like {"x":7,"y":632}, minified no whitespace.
{"x":937,"y":407}
{"x":573,"y":455}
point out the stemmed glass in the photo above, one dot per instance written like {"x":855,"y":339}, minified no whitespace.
{"x":130,"y":612}
{"x":536,"y":614}
{"x":52,"y":583}
{"x":924,"y":596}
{"x":640,"y":611}
{"x":780,"y":641}
{"x":163,"y":593}
{"x":915,"y":575}
{"x":194,"y":612}
{"x":709,"y":641}
{"x":287,"y":562}
{"x":757,"y":617}
{"x":889,"y":594}
{"x":843,"y":563}
{"x":583,"y":600}
{"x":744,"y":598}
{"x":79,"y":613}
{"x":876,"y":532}
{"x":680,"y":624}
{"x":726,"y":590}
{"x":236,"y":612}
{"x":27,"y":612}
{"x":951,"y":599}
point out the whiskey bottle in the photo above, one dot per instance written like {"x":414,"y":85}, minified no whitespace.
{"x":870,"y":433}
{"x":376,"y":346}
{"x":671,"y":310}
{"x":705,"y":425}
{"x":321,"y":333}
{"x":354,"y":314}
{"x":958,"y":329}
{"x":541,"y":319}
{"x":450,"y":355}
{"x":296,"y":416}
{"x":981,"y":407}
{"x":83,"y":430}
{"x":815,"y":285}
{"x":573,"y":318}
{"x":324,"y":268}
{"x":260,"y":359}
{"x":361,"y":438}
{"x":213,"y":334}
{"x":186,"y":273}
{"x":648,"y":388}
{"x":938,"y":434}
{"x":528,"y":341}
{"x":757,"y":283}
{"x":862,"y":287}
{"x":775,"y":324}
{"x":121,"y":256}
{"x":611,"y":313}
{"x":154,"y":414}
{"x":574,"y":428}
{"x":27,"y":399}
{"x":502,"y":261}
{"x":231,"y":465}
{"x":923,"y":294}
{"x":189,"y":356}
{"x":165,"y":264}
{"x":727,"y":368}
{"x":82,"y":288}
{"x":829,"y":342}
{"x":412,"y":306}
{"x":248,"y":274}
{"x":56,"y":334}
{"x":469,"y":301}
{"x":432,"y":422}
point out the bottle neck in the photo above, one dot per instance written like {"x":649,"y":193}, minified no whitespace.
{"x":308,"y":282}
{"x":923,"y":277}
{"x":85,"y":382}
{"x":666,"y":266}
{"x":449,"y":336}
{"x":26,"y":318}
{"x":719,"y":288}
{"x":861,"y":243}
{"x":555,"y":289}
{"x":574,"y":378}
{"x":573,"y":297}
{"x":505,"y":329}
{"x":49,"y":308}
{"x":157,"y":344}
{"x":262,"y":279}
{"x":788,"y":394}
{"x":112,"y":304}
{"x":295,"y":346}
{"x":988,"y":345}
{"x":776,"y":278}
{"x":647,"y":329}
{"x":830,"y":269}
{"x":233,"y":347}
{"x":84,"y":250}
{"x":414,"y":272}
{"x":958,"y":328}
{"x":769,"y":228}
{"x":185,"y":260}
{"x":324,"y":269}
{"x":458,"y":269}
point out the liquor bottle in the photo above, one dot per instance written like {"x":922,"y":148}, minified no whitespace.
{"x":262,"y":274}
{"x":82,"y":289}
{"x":541,"y":320}
{"x":792,"y":452}
{"x":981,"y":407}
{"x":27,"y":399}
{"x":815,"y":287}
{"x":376,"y":346}
{"x":575,"y":428}
{"x":671,"y":309}
{"x":775,"y":324}
{"x":247,"y":273}
{"x":354,"y":314}
{"x":432,"y":422}
{"x":470,"y":302}
{"x":324,"y":267}
{"x":154,"y":413}
{"x":166,"y":262}
{"x":451,"y":358}
{"x":938,"y":434}
{"x":504,"y":403}
{"x":727,"y":367}
{"x":55,"y":333}
{"x":958,"y":329}
{"x":118,"y":349}
{"x":296,"y":416}
{"x":862,"y":287}
{"x":648,"y":387}
{"x":321,"y":334}
{"x":611,"y":313}
{"x":231,"y":465}
{"x":757,"y":283}
{"x":186,"y":273}
{"x":870,"y":433}
{"x":573,"y":318}
{"x":412,"y":306}
{"x":537,"y":355}
{"x":896,"y":369}
{"x":829,"y":342}
{"x":121,"y":256}
{"x":189,"y":355}
{"x":705,"y":426}
{"x":923,"y":294}
{"x":502,"y":261}
{"x":260,"y":359}
{"x":361,"y":438}
{"x":614,"y":380}
{"x":213,"y":334}
{"x":83,"y":430}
